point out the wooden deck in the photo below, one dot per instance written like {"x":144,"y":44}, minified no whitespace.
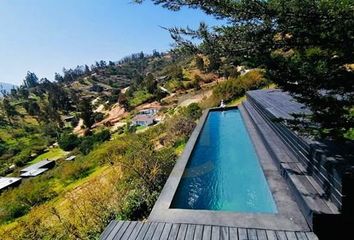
{"x":280,"y":104}
{"x":126,"y":230}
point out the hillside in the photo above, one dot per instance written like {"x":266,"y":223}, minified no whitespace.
{"x":89,"y":112}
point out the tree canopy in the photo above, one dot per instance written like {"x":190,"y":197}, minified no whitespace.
{"x":306,"y":47}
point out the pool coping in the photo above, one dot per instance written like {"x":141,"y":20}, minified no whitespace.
{"x":288,"y":218}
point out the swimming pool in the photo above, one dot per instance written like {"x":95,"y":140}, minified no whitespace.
{"x":223,"y":172}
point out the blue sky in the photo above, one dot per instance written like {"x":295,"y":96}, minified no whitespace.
{"x":43,"y":36}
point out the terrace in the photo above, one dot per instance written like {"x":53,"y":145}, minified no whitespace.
{"x":309,"y":198}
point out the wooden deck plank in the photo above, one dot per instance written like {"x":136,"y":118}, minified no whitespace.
{"x":122,"y":230}
{"x":136,"y":231}
{"x":198,"y":235}
{"x":166,"y":231}
{"x":291,"y":236}
{"x":190,"y":232}
{"x":224,"y":233}
{"x":143,"y":231}
{"x":174,"y":231}
{"x":252,"y":234}
{"x":150,"y":231}
{"x":301,"y":236}
{"x":281,"y":235}
{"x":207,"y":233}
{"x":114,"y":231}
{"x":158,"y":231}
{"x":129,"y":231}
{"x":311,"y":236}
{"x":271,"y":235}
{"x":108,"y":229}
{"x":233,"y":233}
{"x":215,"y":233}
{"x":182,"y":232}
{"x":261,"y":234}
{"x":242,"y":234}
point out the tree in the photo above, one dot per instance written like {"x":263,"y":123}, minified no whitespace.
{"x":68,"y":142}
{"x":32,"y":108}
{"x":86,"y":113}
{"x":199,"y":62}
{"x":59,"y":78}
{"x":150,"y":83}
{"x":9,"y":109}
{"x":306,"y":46}
{"x":31,"y":80}
{"x":87,"y":70}
{"x":123,"y":101}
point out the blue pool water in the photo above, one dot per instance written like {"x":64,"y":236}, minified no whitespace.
{"x":223,"y":172}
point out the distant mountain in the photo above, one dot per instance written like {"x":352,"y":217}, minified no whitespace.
{"x":6,"y":86}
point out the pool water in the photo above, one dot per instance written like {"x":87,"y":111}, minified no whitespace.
{"x":223,"y":172}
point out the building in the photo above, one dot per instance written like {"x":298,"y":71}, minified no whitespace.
{"x":34,"y":172}
{"x":149,"y":111}
{"x":143,"y":120}
{"x":7,"y":182}
{"x":71,"y":158}
{"x":37,"y":168}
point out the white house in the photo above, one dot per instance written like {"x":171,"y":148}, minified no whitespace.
{"x":143,"y":120}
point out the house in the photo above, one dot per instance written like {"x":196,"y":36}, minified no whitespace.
{"x":37,"y":168}
{"x":149,"y":111}
{"x":7,"y":182}
{"x":34,"y":172}
{"x":143,"y":120}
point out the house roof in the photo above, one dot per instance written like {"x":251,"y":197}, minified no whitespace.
{"x":37,"y":165}
{"x":34,"y":172}
{"x":7,"y":181}
{"x":70,"y":158}
{"x":143,"y":117}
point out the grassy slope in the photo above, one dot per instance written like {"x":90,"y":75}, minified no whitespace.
{"x":52,"y":154}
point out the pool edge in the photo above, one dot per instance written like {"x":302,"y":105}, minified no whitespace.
{"x":163,"y":213}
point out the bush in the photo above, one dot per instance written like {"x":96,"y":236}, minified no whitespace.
{"x":134,"y":206}
{"x":68,"y":142}
{"x":193,"y":111}
{"x":235,"y":88}
{"x":103,"y":136}
{"x":88,"y":143}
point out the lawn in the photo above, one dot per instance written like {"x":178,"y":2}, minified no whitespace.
{"x":53,"y":154}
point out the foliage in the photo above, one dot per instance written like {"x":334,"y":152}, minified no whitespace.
{"x":193,"y":111}
{"x":86,"y":113}
{"x":305,"y":46}
{"x":19,"y":201}
{"x":235,"y":88}
{"x":68,"y":142}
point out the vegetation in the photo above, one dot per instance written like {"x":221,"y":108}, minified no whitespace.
{"x":128,"y":188}
{"x":305,"y":46}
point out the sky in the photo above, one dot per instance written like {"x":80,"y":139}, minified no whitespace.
{"x":43,"y":36}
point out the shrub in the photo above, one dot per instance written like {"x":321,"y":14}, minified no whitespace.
{"x":88,"y":143}
{"x":68,"y":142}
{"x":235,"y":88}
{"x":193,"y":111}
{"x":134,"y":206}
{"x":102,"y":136}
